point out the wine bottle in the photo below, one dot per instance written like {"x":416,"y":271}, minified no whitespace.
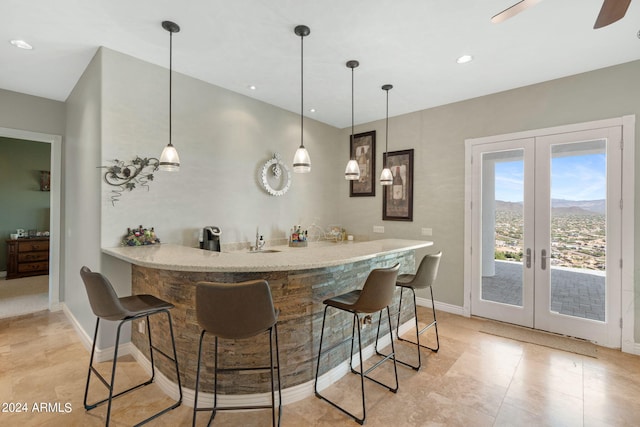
{"x":398,"y":185}
{"x":362,"y":164}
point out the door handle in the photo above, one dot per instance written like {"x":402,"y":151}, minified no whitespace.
{"x":528,"y":257}
{"x":543,"y":259}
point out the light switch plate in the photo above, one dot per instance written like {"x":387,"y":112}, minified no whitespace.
{"x":378,"y":229}
{"x":427,"y":232}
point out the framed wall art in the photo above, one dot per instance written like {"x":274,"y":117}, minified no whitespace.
{"x":45,"y":181}
{"x":363,"y":149}
{"x":397,"y":201}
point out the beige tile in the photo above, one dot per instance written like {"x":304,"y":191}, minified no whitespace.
{"x":475,"y":379}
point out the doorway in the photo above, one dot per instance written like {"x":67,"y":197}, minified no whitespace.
{"x":55,"y":206}
{"x":545,"y":231}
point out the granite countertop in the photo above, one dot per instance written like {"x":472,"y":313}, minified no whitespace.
{"x":173,"y":257}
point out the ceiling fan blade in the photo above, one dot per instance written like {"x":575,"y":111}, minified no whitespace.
{"x":514,"y":10}
{"x":612,"y":10}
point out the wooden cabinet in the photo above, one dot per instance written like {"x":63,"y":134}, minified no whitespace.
{"x":27,"y":257}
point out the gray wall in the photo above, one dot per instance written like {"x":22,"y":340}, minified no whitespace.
{"x":119,"y":110}
{"x":23,"y":204}
{"x":438,"y":136}
{"x":26,"y":112}
{"x":214,"y":128}
{"x":223,"y":139}
{"x":82,"y":202}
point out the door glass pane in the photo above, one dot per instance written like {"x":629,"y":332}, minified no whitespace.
{"x":502,"y":226}
{"x":578,"y":229}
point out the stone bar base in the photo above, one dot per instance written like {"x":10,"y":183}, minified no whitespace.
{"x":297,"y":294}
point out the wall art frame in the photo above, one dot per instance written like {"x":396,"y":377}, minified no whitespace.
{"x":45,"y":180}
{"x":363,"y":148}
{"x":397,"y":200}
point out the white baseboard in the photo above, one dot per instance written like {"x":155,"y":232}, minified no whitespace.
{"x":56,"y":307}
{"x":289,"y":394}
{"x":84,"y":338}
{"x":449,"y":308}
{"x":635,"y":349}
{"x":101,"y":355}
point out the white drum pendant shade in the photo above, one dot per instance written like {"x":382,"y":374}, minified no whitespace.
{"x":301,"y":161}
{"x":386,"y":177}
{"x":169,"y":160}
{"x":352,"y":172}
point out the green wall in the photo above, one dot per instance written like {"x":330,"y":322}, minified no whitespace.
{"x":22,"y":204}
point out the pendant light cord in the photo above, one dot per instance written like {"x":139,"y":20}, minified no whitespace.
{"x":352,"y":101}
{"x":301,"y":91}
{"x":170,"y":79}
{"x":386,"y":138}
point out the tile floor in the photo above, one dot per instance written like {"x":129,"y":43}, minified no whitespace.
{"x":575,"y":292}
{"x":475,"y":380}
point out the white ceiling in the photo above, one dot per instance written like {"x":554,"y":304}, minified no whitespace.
{"x":412,"y":44}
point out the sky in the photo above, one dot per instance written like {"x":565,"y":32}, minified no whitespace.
{"x":573,"y":177}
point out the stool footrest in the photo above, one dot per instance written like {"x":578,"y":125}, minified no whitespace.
{"x":233,"y":408}
{"x":385,"y":357}
{"x":365,"y":374}
{"x":435,"y":350}
{"x":90,"y":406}
{"x":163,"y":353}
{"x":429,"y":326}
{"x":358,"y":420}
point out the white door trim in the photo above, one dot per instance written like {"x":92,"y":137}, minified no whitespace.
{"x":628,"y":212}
{"x":628,"y":221}
{"x":55,"y":202}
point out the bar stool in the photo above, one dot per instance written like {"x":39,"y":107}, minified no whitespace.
{"x":237,"y":311}
{"x":375,"y":295}
{"x":424,"y":278}
{"x":106,"y":305}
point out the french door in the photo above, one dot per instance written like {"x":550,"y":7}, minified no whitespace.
{"x":546,"y":232}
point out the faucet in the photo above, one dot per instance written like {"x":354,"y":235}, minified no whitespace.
{"x":259,"y":241}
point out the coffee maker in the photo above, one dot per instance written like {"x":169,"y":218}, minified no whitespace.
{"x":210,"y":239}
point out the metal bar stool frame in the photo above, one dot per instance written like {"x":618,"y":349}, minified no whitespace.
{"x":88,"y":275}
{"x":424,"y":278}
{"x":273,"y":334}
{"x":355,"y":307}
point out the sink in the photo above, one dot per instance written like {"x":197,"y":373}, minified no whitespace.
{"x":264,"y":251}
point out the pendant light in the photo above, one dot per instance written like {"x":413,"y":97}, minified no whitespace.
{"x":169,"y":160}
{"x":386,"y":177}
{"x":301,"y":160}
{"x":352,"y":172}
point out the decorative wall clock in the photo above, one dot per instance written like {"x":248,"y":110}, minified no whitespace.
{"x":275,"y":175}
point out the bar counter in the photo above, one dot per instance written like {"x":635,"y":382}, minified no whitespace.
{"x":300,"y":280}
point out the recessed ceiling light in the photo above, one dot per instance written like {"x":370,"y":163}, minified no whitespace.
{"x":252,"y":87}
{"x":21,"y":44}
{"x":312,"y":110}
{"x":464,"y":59}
